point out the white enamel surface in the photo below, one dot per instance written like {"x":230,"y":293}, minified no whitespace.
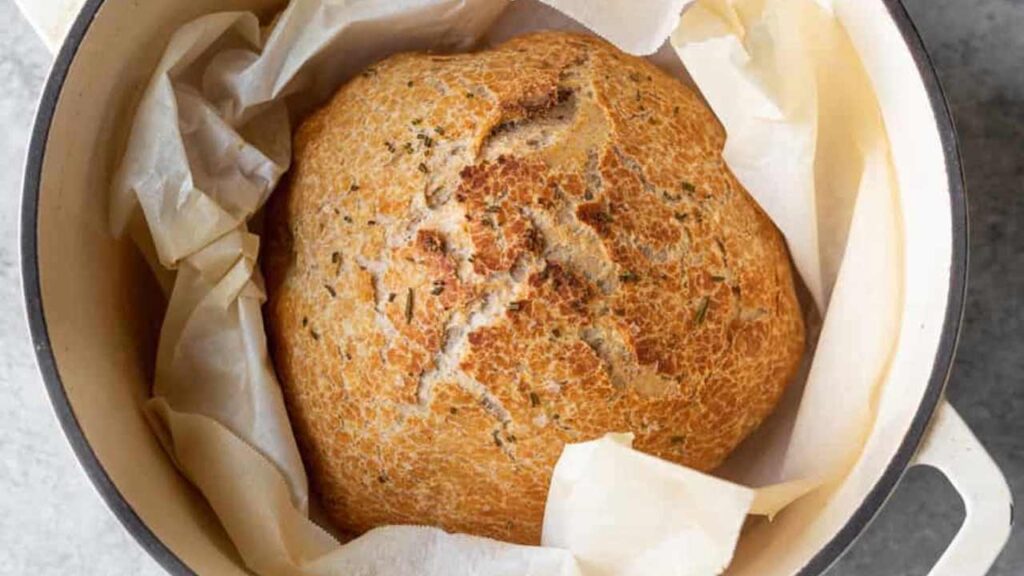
{"x":924,"y":198}
{"x":953,"y":449}
{"x":123,"y":44}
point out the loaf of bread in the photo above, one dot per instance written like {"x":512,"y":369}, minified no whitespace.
{"x":479,"y":258}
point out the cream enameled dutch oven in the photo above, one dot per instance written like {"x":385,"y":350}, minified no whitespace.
{"x":90,"y":299}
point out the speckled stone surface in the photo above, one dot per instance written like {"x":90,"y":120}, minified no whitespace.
{"x":53,"y":522}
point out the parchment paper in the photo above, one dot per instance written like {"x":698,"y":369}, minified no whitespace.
{"x":211,"y":138}
{"x":806,"y":137}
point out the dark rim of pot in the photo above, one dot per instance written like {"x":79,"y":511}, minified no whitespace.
{"x":173,"y":564}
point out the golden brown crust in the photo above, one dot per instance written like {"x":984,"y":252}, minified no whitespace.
{"x":481,"y":257}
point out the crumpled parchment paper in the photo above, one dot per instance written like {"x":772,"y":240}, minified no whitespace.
{"x":211,"y":139}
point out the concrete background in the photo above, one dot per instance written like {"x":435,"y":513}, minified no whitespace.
{"x":52,"y":521}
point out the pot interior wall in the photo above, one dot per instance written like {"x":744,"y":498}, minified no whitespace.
{"x":101,"y":305}
{"x":103,"y":310}
{"x":916,"y":374}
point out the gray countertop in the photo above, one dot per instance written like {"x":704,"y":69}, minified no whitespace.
{"x":52,"y":522}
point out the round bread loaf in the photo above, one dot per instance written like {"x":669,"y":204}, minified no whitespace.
{"x":479,"y":258}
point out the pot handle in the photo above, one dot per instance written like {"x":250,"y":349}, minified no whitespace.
{"x":951,"y":448}
{"x":51,"y":19}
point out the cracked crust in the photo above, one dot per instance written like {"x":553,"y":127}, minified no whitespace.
{"x":479,"y":258}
